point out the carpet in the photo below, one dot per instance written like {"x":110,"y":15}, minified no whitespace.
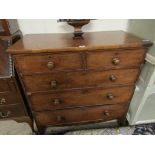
{"x":146,"y":129}
{"x":102,"y":128}
{"x":11,"y":127}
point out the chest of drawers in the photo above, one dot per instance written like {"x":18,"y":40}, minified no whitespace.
{"x":11,"y":100}
{"x":71,"y":81}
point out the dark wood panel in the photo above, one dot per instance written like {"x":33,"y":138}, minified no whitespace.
{"x":11,"y":111}
{"x":10,"y":98}
{"x":46,"y":82}
{"x":115,"y":59}
{"x":79,"y":115}
{"x":47,"y":63}
{"x":87,"y":97}
{"x":5,"y":67}
{"x":4,"y":85}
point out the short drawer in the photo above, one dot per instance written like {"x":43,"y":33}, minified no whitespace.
{"x":77,"y":98}
{"x":46,"y":82}
{"x":11,"y":111}
{"x":80,"y":115}
{"x":115,"y":59}
{"x":7,"y":85}
{"x":31,"y":64}
{"x":9,"y":98}
{"x":4,"y":85}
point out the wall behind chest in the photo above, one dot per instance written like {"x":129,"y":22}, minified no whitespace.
{"x":144,"y":28}
{"x":31,"y":26}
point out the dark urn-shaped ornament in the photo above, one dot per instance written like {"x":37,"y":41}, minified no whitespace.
{"x":77,"y":24}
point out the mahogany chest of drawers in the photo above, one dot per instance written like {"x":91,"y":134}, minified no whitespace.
{"x":71,"y":81}
{"x":11,"y":101}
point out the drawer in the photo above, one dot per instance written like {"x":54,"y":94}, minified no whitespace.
{"x":31,"y":64}
{"x":11,"y":111}
{"x":110,"y":59}
{"x":10,"y":98}
{"x":80,"y":115}
{"x":77,"y":98}
{"x":7,"y":85}
{"x":4,"y":85}
{"x":46,"y":82}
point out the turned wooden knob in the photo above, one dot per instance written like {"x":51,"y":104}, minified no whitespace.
{"x":5,"y":115}
{"x":56,"y":101}
{"x":115,"y":61}
{"x":2,"y":101}
{"x":110,"y":96}
{"x":106,"y":113}
{"x":53,"y":84}
{"x":113,"y":78}
{"x":50,"y":65}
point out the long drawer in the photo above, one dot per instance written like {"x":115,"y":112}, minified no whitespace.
{"x":115,"y":59}
{"x":10,"y":98}
{"x":30,"y":64}
{"x":80,"y":115}
{"x":87,"y":97}
{"x":46,"y":82}
{"x":11,"y":111}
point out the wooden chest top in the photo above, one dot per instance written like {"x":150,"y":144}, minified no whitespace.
{"x":36,"y":43}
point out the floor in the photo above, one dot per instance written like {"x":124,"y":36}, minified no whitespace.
{"x":101,"y":128}
{"x":147,"y":129}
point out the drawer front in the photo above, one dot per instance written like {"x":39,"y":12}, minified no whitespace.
{"x":88,"y":97}
{"x":9,"y":98}
{"x":68,"y":80}
{"x":4,"y":85}
{"x":107,"y":60}
{"x":80,"y":115}
{"x":11,"y":111}
{"x":7,"y":85}
{"x":47,"y":63}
